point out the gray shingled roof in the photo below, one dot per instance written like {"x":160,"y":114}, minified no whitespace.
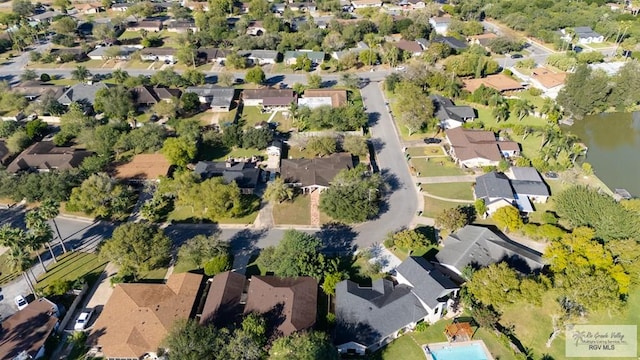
{"x":81,"y":92}
{"x":428,"y":283}
{"x":525,"y":173}
{"x":316,"y":171}
{"x":445,"y":109}
{"x":479,"y":246}
{"x":526,"y":187}
{"x":493,"y":185}
{"x":217,"y":96}
{"x":244,"y":174}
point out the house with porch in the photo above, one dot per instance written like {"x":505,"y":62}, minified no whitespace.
{"x":583,"y":34}
{"x":450,"y":115}
{"x":146,"y":95}
{"x":412,"y":47}
{"x":314,"y":98}
{"x":314,"y":174}
{"x":519,"y":186}
{"x":260,"y":57}
{"x":146,"y":24}
{"x":478,"y":148}
{"x":158,"y":54}
{"x":218,"y":99}
{"x":36,"y":89}
{"x":550,"y":82}
{"x":212,"y":55}
{"x":291,"y":57}
{"x":367,"y":318}
{"x":479,"y":247}
{"x":124,"y":52}
{"x":181,"y":26}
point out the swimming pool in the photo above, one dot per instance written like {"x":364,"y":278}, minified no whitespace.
{"x":472,"y":351}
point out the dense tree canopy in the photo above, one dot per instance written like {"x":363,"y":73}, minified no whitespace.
{"x":354,"y":195}
{"x":101,"y":196}
{"x":313,"y":345}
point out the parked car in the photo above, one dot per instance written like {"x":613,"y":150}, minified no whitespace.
{"x":20,"y":302}
{"x":432,"y":141}
{"x":516,"y":56}
{"x":83,"y":320}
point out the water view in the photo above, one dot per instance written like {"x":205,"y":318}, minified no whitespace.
{"x":614,"y":148}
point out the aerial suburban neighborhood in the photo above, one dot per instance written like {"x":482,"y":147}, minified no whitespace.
{"x":328,"y":179}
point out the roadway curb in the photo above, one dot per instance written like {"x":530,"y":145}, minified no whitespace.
{"x":76,"y":217}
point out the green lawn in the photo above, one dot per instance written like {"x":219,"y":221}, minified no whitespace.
{"x":536,"y":101}
{"x":222,"y":153}
{"x":489,"y":121}
{"x":130,"y":35}
{"x":185,"y":213}
{"x":72,"y":266}
{"x":430,"y":150}
{"x":155,"y":275}
{"x":137,"y":64}
{"x":432,"y":207}
{"x":443,"y":166}
{"x":296,"y":212}
{"x":460,"y":191}
{"x":251,"y":115}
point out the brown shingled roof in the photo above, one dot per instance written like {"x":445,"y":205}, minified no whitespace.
{"x":45,"y":156}
{"x":316,"y":171}
{"x":471,"y":144}
{"x":267,"y":93}
{"x":548,"y":78}
{"x":338,"y":96}
{"x":223,"y":299}
{"x":295,"y":298}
{"x":500,"y":82}
{"x":143,"y":167}
{"x":137,"y":317}
{"x":28,"y":329}
{"x":409,"y":46}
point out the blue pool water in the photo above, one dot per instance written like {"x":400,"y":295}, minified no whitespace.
{"x":470,"y":352}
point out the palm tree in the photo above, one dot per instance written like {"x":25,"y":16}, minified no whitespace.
{"x":19,"y":260}
{"x":120,"y":76}
{"x":34,"y":243}
{"x":49,"y":209}
{"x":279,"y":191}
{"x":549,"y":134}
{"x":38,"y":226}
{"x":495,"y":100}
{"x":522,"y":108}
{"x":501,"y":112}
{"x":80,"y":73}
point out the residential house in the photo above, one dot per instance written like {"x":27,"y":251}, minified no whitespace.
{"x":82,"y":93}
{"x":87,"y":8}
{"x":302,"y":6}
{"x":224,"y":303}
{"x":361,"y":4}
{"x":260,"y":57}
{"x":102,"y":52}
{"x":45,"y":156}
{"x":268,"y":97}
{"x":77,"y":54}
{"x":244,"y":173}
{"x":477,"y":148}
{"x":25,"y":333}
{"x":519,"y":187}
{"x":412,"y":47}
{"x":121,"y":7}
{"x":500,"y":82}
{"x":195,"y":5}
{"x":291,"y":302}
{"x":360,"y":47}
{"x":146,"y":95}
{"x":316,"y":57}
{"x":218,"y":99}
{"x":314,"y":98}
{"x":182,"y":26}
{"x":278,"y":8}
{"x":479,"y":247}
{"x":45,"y":17}
{"x":440,"y":24}
{"x":450,"y":41}
{"x":450,"y":115}
{"x":138,"y":316}
{"x":368,"y":318}
{"x":316,"y":173}
{"x":256,"y":28}
{"x":583,"y":34}
{"x":548,"y":81}
{"x":158,"y":54}
{"x":274,"y":151}
{"x":35,"y":89}
{"x":212,"y":55}
{"x":482,"y":39}
{"x":412,"y":4}
{"x":147,"y":25}
{"x":143,"y":168}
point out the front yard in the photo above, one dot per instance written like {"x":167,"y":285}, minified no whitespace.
{"x":296,"y":212}
{"x":432,"y":207}
{"x":428,"y":167}
{"x":459,"y":191}
{"x":186,"y":214}
{"x":430,"y":150}
{"x":71,"y":267}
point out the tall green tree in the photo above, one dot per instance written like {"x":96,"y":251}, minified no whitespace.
{"x":279,"y":191}
{"x":179,"y":151}
{"x":255,"y":75}
{"x":80,"y":73}
{"x":297,"y":254}
{"x":102,"y":197}
{"x":188,"y":340}
{"x":116,"y":103}
{"x":312,"y":345}
{"x":200,"y":249}
{"x":508,"y":218}
{"x":50,"y":209}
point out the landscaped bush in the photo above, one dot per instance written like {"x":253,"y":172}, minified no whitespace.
{"x":217,"y":265}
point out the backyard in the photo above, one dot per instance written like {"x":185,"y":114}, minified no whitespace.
{"x":458,"y":190}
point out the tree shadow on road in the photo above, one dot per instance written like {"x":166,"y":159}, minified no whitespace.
{"x":374,"y":117}
{"x":390,"y":179}
{"x":337,"y":238}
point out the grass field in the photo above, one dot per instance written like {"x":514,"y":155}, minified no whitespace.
{"x":185,"y":214}
{"x":489,"y":121}
{"x":432,"y":207}
{"x":460,"y":191}
{"x":72,"y":266}
{"x":436,"y":167}
{"x":432,"y":150}
{"x":296,"y":212}
{"x":153,"y":275}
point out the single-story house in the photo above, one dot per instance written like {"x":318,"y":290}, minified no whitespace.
{"x":256,"y":28}
{"x":146,"y":95}
{"x":78,"y":54}
{"x":278,"y":8}
{"x":268,"y":97}
{"x":479,"y":247}
{"x":25,"y":333}
{"x":451,"y":42}
{"x":584,"y":35}
{"x":274,"y":151}
{"x":158,"y":54}
{"x":138,"y":316}
{"x":212,"y":55}
{"x":482,"y":39}
{"x":520,"y":186}
{"x":316,"y":173}
{"x":360,"y":47}
{"x":548,"y":81}
{"x":288,"y":304}
{"x":35,"y":89}
{"x":143,"y":167}
{"x":367,"y":318}
{"x":182,"y":26}
{"x":125,"y":52}
{"x":450,"y":115}
{"x":245,"y":174}
{"x":121,"y":7}
{"x":314,"y":98}
{"x":260,"y":57}
{"x":89,"y":8}
{"x":440,"y":24}
{"x":412,"y":47}
{"x":44,"y":17}
{"x":302,"y":6}
{"x":500,"y":82}
{"x":316,"y":57}
{"x":219,"y":99}
{"x":148,"y":25}
{"x":45,"y":156}
{"x":361,"y":4}
{"x":411,"y":4}
{"x":477,"y":148}
{"x":82,"y":92}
